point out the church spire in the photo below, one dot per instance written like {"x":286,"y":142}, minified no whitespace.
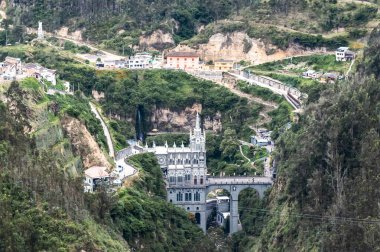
{"x":197,"y":122}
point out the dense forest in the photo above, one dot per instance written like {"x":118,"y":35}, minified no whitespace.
{"x":325,"y":197}
{"x":118,"y":25}
{"x":42,"y":203}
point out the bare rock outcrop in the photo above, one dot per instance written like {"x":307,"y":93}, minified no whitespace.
{"x":165,"y":119}
{"x":239,"y":46}
{"x":83,"y":143}
{"x":158,"y":40}
{"x":64,"y":32}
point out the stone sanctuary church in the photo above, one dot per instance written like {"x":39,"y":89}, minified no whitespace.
{"x":185,"y":170}
{"x":187,"y":184}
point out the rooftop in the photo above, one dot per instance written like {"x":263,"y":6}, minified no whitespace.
{"x":182,"y":54}
{"x":224,"y":61}
{"x":97,"y":172}
{"x":31,"y":66}
{"x":12,"y":60}
{"x":342,"y":49}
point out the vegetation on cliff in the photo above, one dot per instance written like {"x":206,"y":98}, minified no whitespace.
{"x":41,"y":206}
{"x":326,"y":193}
{"x":147,"y":221}
{"x":280,"y":22}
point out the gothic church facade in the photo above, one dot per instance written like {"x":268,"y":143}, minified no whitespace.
{"x":186,"y":172}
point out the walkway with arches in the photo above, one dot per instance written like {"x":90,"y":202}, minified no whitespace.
{"x":234,"y":185}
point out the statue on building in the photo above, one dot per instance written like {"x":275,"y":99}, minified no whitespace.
{"x":40,"y":32}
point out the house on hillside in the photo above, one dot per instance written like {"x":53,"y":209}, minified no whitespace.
{"x":344,"y":54}
{"x":10,"y":68}
{"x":182,"y":60}
{"x":139,"y":61}
{"x":109,"y":64}
{"x":222,"y":209}
{"x":120,"y":63}
{"x":39,"y":72}
{"x":94,"y":177}
{"x":224,"y":65}
{"x":311,"y":74}
{"x":260,"y":141}
{"x":157,"y":61}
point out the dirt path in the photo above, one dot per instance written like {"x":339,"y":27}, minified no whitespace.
{"x":268,"y":106}
{"x":81,"y":43}
{"x":242,"y":153}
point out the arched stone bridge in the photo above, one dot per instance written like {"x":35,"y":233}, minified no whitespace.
{"x":234,"y":185}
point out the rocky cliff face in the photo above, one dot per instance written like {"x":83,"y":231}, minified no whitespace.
{"x":165,"y":119}
{"x":83,"y":143}
{"x":239,"y":46}
{"x":158,"y":40}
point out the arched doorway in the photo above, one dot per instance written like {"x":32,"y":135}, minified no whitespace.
{"x":198,"y":218}
{"x":217,"y":209}
{"x":250,"y":216}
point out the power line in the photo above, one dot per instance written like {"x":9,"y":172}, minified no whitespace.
{"x":316,"y":217}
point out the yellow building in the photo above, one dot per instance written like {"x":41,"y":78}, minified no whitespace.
{"x":224,"y":65}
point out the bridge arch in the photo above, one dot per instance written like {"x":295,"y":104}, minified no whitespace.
{"x":234,"y":189}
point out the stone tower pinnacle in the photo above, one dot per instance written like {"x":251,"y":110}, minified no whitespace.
{"x":197,"y":140}
{"x":40,"y":32}
{"x":197,"y":122}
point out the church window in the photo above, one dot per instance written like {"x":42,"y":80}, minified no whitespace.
{"x":171,"y":179}
{"x":201,"y":180}
{"x":187,"y":177}
{"x":195,"y":180}
{"x":179,"y":179}
{"x":188,"y":196}
{"x":179,"y":196}
{"x":197,"y":196}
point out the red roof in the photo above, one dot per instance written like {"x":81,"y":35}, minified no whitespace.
{"x":183,"y":54}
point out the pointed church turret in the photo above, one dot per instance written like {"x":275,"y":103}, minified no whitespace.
{"x":197,"y":122}
{"x":197,"y":139}
{"x":174,"y":145}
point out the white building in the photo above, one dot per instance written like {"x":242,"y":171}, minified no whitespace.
{"x":11,"y":68}
{"x":94,"y":176}
{"x":158,"y":61}
{"x":139,"y":61}
{"x":344,"y":54}
{"x":39,"y":72}
{"x":109,"y":64}
{"x":221,"y":217}
{"x":260,"y":141}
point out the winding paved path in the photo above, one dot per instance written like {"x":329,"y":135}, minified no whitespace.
{"x":106,"y":131}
